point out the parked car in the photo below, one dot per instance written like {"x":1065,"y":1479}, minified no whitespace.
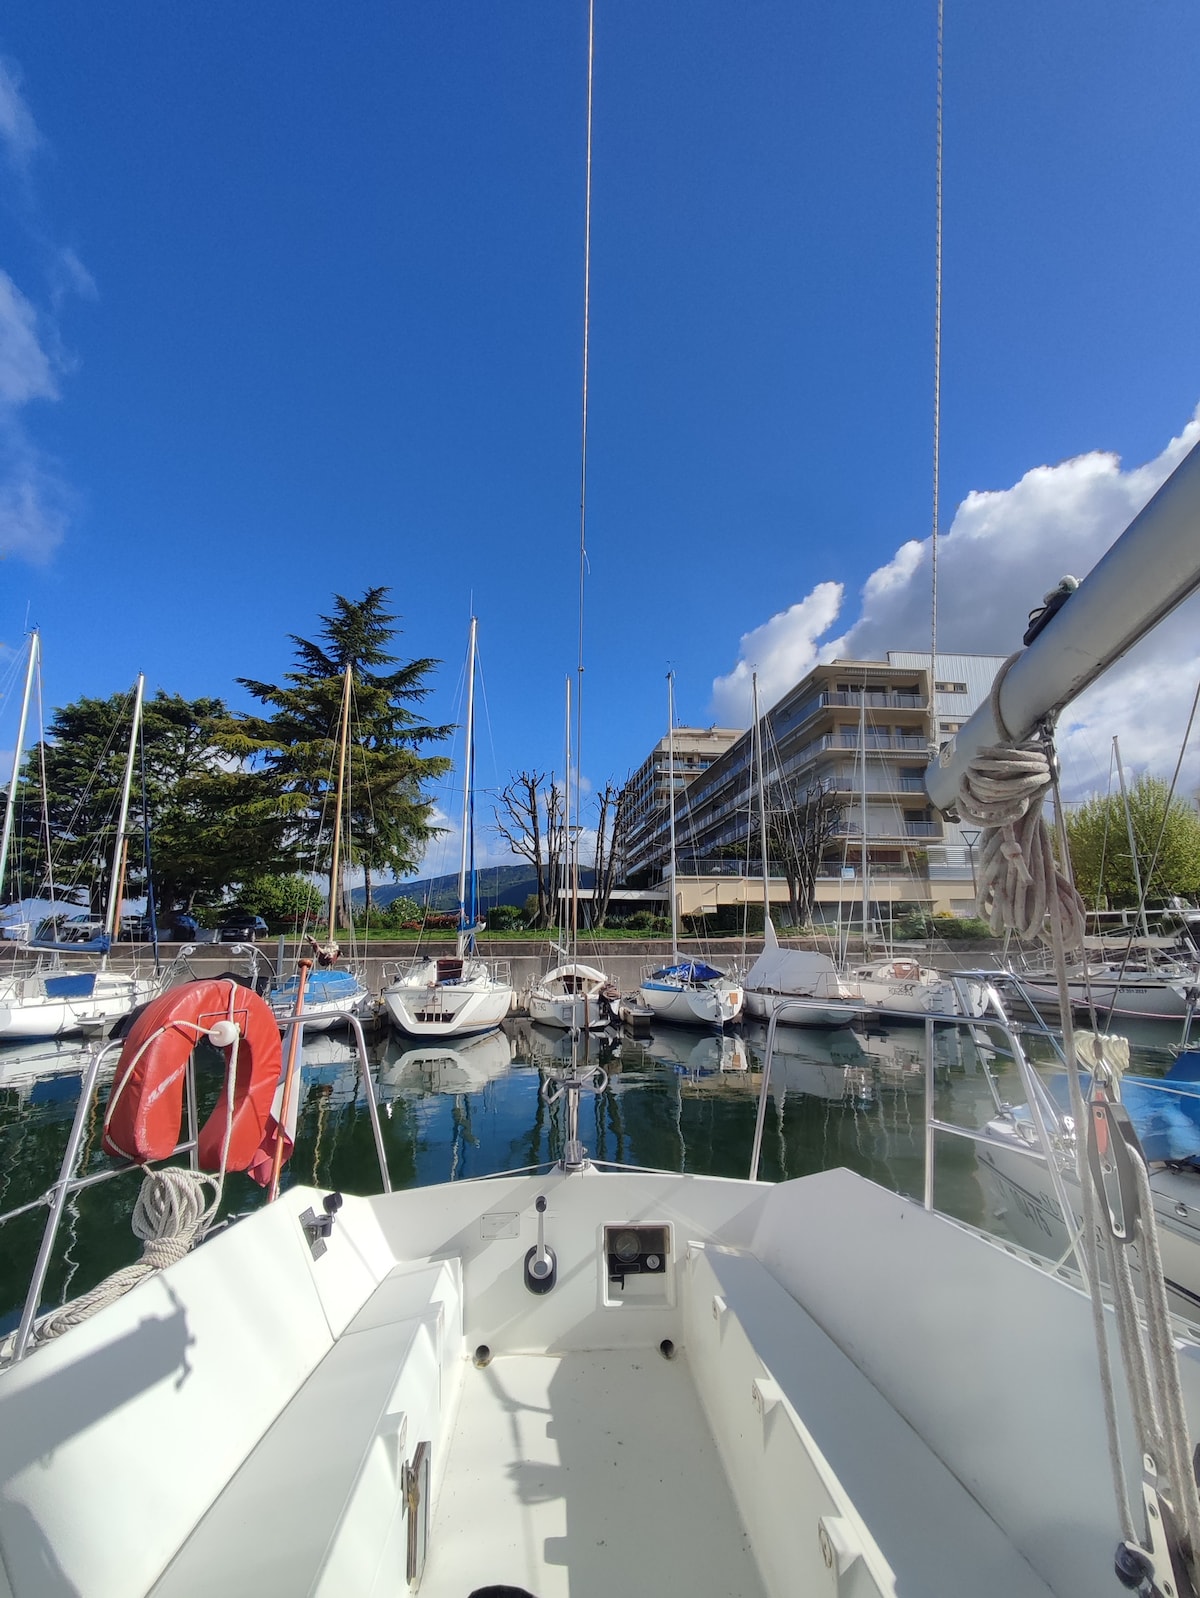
{"x":135,"y":927}
{"x":240,"y":926}
{"x":180,"y":927}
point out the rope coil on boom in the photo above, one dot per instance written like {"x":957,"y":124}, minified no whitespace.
{"x":1019,"y":880}
{"x":1021,"y":889}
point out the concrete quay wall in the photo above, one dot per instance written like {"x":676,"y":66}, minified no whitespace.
{"x":624,"y":961}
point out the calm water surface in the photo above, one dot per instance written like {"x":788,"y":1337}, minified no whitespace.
{"x":680,"y":1101}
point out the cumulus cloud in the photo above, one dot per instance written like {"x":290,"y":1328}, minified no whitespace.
{"x":781,"y":651}
{"x":1003,"y":551}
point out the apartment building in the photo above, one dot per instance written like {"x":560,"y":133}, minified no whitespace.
{"x":860,"y":732}
{"x":696,"y":750}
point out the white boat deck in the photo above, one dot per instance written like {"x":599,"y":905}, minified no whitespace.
{"x":586,"y":1474}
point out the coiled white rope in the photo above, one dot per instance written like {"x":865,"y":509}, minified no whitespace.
{"x":171,"y":1215}
{"x":1019,"y":881}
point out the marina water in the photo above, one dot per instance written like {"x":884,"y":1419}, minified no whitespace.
{"x":678,"y":1100}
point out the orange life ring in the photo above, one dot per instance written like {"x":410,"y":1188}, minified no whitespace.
{"x":145,"y":1107}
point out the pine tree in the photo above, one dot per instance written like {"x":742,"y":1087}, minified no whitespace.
{"x":296,"y":744}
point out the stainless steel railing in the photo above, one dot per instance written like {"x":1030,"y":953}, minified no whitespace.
{"x":70,"y":1181}
{"x":1043,"y":1113}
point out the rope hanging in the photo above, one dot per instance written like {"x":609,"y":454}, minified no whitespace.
{"x":170,"y":1216}
{"x":1019,"y":882}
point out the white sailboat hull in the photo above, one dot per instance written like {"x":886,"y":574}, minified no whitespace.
{"x":572,"y":996}
{"x":28,"y":1010}
{"x":425,"y":1007}
{"x":575,"y":1011}
{"x":1021,"y":1194}
{"x":711,"y":1004}
{"x":1157,"y":1000}
{"x":761,"y":1006}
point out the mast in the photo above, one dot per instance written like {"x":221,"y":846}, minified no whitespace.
{"x":11,"y":803}
{"x":866,"y":879}
{"x":335,"y":864}
{"x":762,"y":804}
{"x":1133,"y":854}
{"x":569,"y":923}
{"x":110,"y":915}
{"x":466,"y":932}
{"x":671,"y":810}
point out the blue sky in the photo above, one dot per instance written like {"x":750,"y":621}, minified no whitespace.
{"x":292,"y":303}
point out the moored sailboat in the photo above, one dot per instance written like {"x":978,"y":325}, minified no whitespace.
{"x":449,"y":996}
{"x":58,"y":996}
{"x":332,"y":991}
{"x":685,"y":992}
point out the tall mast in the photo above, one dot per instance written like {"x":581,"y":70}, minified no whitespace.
{"x":568,"y":920}
{"x":1133,"y":854}
{"x":762,"y":804}
{"x":110,"y":915}
{"x":335,"y":864}
{"x":866,"y":876}
{"x":671,"y":810}
{"x":466,"y":935}
{"x":11,"y":803}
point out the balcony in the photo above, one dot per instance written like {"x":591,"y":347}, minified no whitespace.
{"x":922,"y":829}
{"x":725,"y":868}
{"x":876,"y":700}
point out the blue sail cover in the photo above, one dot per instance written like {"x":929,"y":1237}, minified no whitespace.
{"x":100,"y":945}
{"x":1165,"y":1110}
{"x":688,"y":971}
{"x":323,"y":987}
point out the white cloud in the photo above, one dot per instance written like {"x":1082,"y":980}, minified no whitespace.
{"x":781,"y":651}
{"x":70,"y":276}
{"x":35,"y":500}
{"x":26,"y":371}
{"x":1004,"y":550}
{"x":19,"y":136}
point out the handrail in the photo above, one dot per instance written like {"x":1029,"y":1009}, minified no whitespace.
{"x":69,"y":1182}
{"x":1041,"y":1107}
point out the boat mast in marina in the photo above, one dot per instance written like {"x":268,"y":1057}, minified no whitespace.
{"x":112,"y":914}
{"x":10,"y":803}
{"x":339,"y":799}
{"x":466,"y":922}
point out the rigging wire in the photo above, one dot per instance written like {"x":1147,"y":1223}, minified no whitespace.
{"x":937,"y":363}
{"x":583,"y":446}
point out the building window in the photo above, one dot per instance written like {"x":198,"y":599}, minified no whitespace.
{"x":950,"y":687}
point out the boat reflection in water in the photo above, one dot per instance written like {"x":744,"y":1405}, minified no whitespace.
{"x":437,"y":1068}
{"x":698,"y":1056}
{"x":473,"y":1106}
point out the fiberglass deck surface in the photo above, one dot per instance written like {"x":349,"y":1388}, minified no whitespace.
{"x":586,"y":1475}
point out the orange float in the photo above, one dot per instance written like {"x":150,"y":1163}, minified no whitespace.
{"x":145,"y":1107}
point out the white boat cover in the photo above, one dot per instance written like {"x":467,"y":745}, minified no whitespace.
{"x":798,"y":971}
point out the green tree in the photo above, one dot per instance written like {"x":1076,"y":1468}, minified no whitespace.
{"x":295,"y":746}
{"x":1100,"y":854}
{"x":210,"y":823}
{"x":284,"y":903}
